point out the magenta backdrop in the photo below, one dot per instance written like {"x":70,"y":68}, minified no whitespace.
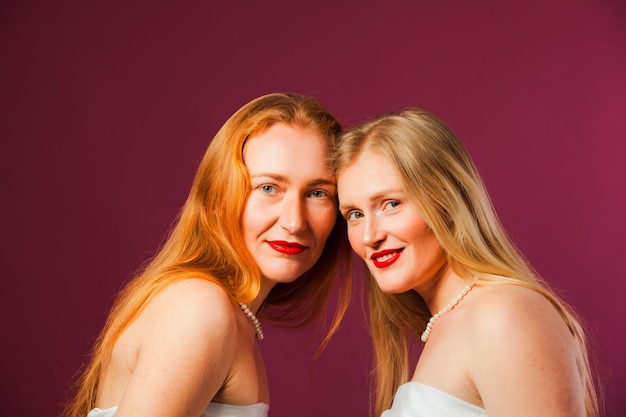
{"x":107,"y":108}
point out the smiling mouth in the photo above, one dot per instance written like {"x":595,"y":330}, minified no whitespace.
{"x":385,"y":258}
{"x":288,"y":248}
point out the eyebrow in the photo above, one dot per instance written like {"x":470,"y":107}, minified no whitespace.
{"x":385,"y":193}
{"x":378,"y":196}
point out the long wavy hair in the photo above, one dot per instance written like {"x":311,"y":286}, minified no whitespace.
{"x":206,"y":241}
{"x":440,"y":178}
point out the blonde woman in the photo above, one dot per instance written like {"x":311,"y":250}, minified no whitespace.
{"x":258,"y":235}
{"x":496,"y":341}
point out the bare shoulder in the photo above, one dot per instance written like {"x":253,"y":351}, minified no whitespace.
{"x":195,"y":290}
{"x":516,"y":335}
{"x":182,"y":348}
{"x":177,"y":353}
{"x":191,"y":307}
{"x":505,"y":310}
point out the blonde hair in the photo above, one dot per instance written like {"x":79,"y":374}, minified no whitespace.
{"x":207,"y":243}
{"x":440,"y":178}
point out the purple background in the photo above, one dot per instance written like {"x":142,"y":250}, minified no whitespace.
{"x":107,"y":108}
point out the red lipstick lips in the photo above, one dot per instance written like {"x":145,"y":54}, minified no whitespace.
{"x":385,"y":258}
{"x":288,"y":248}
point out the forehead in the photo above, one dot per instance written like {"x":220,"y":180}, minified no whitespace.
{"x":371,"y":165}
{"x":283,"y":147}
{"x":369,"y":174}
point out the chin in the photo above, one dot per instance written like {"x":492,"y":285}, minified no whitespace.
{"x":282,"y":280}
{"x":285,"y":272}
{"x":283,"y":277}
{"x":390,"y":290}
{"x":390,"y":287}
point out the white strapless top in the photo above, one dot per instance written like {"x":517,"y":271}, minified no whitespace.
{"x":414,"y":399}
{"x":213,"y":410}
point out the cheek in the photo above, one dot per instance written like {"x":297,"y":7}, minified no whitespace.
{"x":323,"y":221}
{"x":326,"y":222}
{"x":250,"y":222}
{"x":428,"y":245}
{"x":246,"y":228}
{"x":354,"y":236}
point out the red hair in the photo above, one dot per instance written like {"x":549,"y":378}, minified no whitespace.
{"x":206,"y":241}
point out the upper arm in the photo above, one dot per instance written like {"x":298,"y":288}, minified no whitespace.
{"x":185,"y":351}
{"x":526,"y":358}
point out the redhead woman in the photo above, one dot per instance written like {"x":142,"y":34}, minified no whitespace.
{"x":257,"y":236}
{"x":496,"y":340}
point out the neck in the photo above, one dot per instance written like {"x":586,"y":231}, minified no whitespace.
{"x":266,"y":287}
{"x":445,"y":285}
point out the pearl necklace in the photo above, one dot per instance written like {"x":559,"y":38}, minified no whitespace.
{"x":251,"y":316}
{"x":444,"y":310}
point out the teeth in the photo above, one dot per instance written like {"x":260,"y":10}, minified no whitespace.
{"x":385,"y":258}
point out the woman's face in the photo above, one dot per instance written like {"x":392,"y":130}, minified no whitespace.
{"x":292,"y":205}
{"x":385,"y":229}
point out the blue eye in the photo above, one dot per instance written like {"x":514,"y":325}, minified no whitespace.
{"x":268,"y":189}
{"x":320,"y":194}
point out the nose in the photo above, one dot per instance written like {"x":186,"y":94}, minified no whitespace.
{"x":293,"y":215}
{"x":373,"y":234}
